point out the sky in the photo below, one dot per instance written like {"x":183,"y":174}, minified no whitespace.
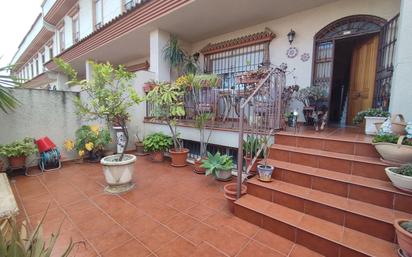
{"x":16,"y":18}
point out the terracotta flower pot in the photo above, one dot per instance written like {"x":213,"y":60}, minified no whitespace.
{"x":157,"y":156}
{"x":255,"y":164}
{"x":17,"y":162}
{"x":140,"y":149}
{"x":179,"y":157}
{"x":197,"y":167}
{"x":230,"y":194}
{"x":404,"y":237}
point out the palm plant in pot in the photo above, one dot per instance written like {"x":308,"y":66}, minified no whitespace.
{"x":17,"y":152}
{"x":110,"y":95}
{"x":403,"y":230}
{"x":156,"y":144}
{"x":401,"y":177}
{"x":167,"y":100}
{"x":265,"y":170}
{"x":219,"y":166}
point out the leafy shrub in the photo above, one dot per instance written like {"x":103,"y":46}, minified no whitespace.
{"x":25,"y":147}
{"x":89,"y":139}
{"x":157,"y":142}
{"x":405,"y":170}
{"x":216,"y":163}
{"x":251,"y":146}
{"x":369,"y":113}
{"x":391,"y":138}
{"x":407,"y":225}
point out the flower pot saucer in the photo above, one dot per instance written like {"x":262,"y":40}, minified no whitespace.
{"x":119,"y":189}
{"x":266,"y":181}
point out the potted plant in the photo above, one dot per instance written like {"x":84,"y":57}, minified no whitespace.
{"x":219,"y":166}
{"x":394,"y":148}
{"x":265,"y":171}
{"x":138,"y":142}
{"x":204,"y":109}
{"x":90,"y":142}
{"x":371,"y":116}
{"x":110,"y":95}
{"x":17,"y":152}
{"x":401,"y":177}
{"x":303,"y":96}
{"x":167,"y":100}
{"x":396,"y":126}
{"x":251,"y":149}
{"x":404,"y":235}
{"x":156,"y":144}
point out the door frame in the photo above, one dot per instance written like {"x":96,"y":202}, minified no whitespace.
{"x":346,"y":27}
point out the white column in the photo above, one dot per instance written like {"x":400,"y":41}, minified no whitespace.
{"x":161,"y":69}
{"x":401,"y":92}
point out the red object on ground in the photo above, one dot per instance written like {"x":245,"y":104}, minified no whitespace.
{"x":45,"y":144}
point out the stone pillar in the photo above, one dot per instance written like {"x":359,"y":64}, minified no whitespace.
{"x":161,"y":69}
{"x":401,"y":92}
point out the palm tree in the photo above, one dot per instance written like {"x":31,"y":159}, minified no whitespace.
{"x":7,"y":101}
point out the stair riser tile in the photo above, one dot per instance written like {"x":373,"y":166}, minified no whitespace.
{"x":345,"y":252}
{"x":260,"y":192}
{"x":279,"y":228}
{"x":403,"y":203}
{"x":380,"y":198}
{"x":353,"y":167}
{"x":336,"y":146}
{"x":324,"y":212}
{"x":248,"y":215}
{"x":371,"y":227}
{"x":318,"y":244}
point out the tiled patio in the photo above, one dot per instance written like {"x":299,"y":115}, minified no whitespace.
{"x":171,"y":212}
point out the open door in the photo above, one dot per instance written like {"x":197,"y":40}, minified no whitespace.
{"x":363,"y":74}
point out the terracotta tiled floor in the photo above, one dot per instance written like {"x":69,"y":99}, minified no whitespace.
{"x":171,"y":212}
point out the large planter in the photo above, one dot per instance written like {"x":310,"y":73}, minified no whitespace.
{"x":265,"y":172}
{"x":370,"y":124}
{"x":198,"y":169}
{"x":400,"y":181}
{"x":394,"y":153}
{"x":224,"y":175}
{"x":404,"y":238}
{"x":179,"y":157}
{"x":158,"y":156}
{"x":118,"y":174}
{"x":17,"y":162}
{"x":398,"y":126}
{"x":230,"y":194}
{"x":248,"y":160}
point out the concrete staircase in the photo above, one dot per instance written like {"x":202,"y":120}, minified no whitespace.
{"x":329,"y":194}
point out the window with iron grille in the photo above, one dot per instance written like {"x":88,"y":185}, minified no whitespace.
{"x":228,"y":63}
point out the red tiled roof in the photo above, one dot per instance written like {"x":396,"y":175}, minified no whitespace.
{"x":265,"y":36}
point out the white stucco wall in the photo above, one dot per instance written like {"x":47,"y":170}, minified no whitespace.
{"x":306,"y":24}
{"x":41,"y":113}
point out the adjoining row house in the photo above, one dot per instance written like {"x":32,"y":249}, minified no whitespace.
{"x":360,"y":49}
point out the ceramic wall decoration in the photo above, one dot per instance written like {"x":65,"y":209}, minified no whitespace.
{"x":305,"y":57}
{"x":292,"y":52}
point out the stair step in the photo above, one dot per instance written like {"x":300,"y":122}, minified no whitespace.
{"x":342,"y":184}
{"x":356,"y":144}
{"x":340,"y":210}
{"x":369,"y":167}
{"x":325,"y":237}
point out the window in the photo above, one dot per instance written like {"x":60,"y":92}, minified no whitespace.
{"x":36,"y":65}
{"x":43,"y":58}
{"x":50,"y":52}
{"x":61,"y":39}
{"x":32,"y":70}
{"x":98,"y":13}
{"x":76,"y":28}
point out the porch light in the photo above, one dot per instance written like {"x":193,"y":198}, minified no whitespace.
{"x":291,"y":36}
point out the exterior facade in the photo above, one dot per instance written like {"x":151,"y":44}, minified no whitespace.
{"x":228,"y":37}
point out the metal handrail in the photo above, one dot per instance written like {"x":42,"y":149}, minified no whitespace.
{"x":243,"y":105}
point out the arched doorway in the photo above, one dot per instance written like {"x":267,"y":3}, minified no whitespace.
{"x":345,"y":60}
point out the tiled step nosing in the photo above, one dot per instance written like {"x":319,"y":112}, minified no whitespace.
{"x":287,"y":188}
{"x":265,"y":211}
{"x":338,"y":176}
{"x":329,"y":154}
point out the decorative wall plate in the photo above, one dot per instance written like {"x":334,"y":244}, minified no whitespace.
{"x":292,"y":52}
{"x":305,"y":57}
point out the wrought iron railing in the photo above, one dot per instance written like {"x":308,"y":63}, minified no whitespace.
{"x":260,"y":115}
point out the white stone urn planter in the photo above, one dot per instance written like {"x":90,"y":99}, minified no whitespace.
{"x":370,"y":127}
{"x":118,"y":174}
{"x":400,"y":181}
